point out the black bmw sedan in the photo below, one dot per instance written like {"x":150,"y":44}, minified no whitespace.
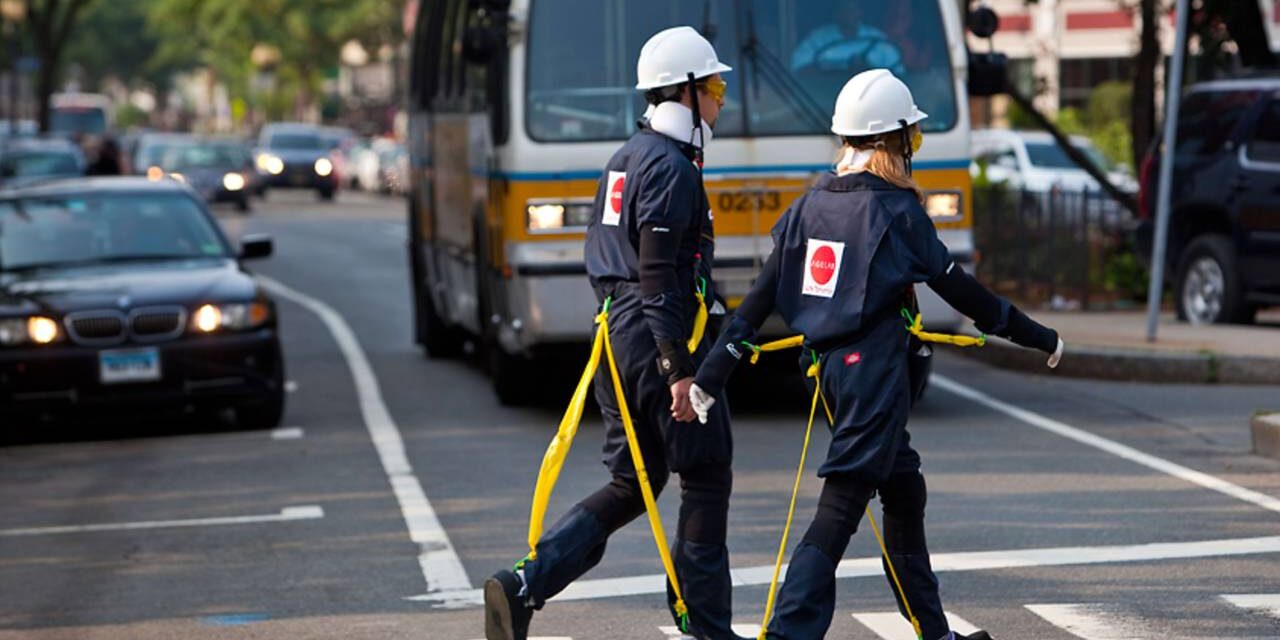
{"x":123,"y":292}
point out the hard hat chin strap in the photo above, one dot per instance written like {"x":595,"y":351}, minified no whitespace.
{"x":695,"y":135}
{"x":907,"y":150}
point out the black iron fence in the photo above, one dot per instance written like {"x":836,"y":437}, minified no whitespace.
{"x":1064,"y":250}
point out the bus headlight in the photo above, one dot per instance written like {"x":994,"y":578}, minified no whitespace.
{"x":323,"y":167}
{"x":553,"y":216}
{"x":233,"y":181}
{"x":943,"y":206}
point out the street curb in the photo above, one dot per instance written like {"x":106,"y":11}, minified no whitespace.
{"x":1266,"y":434}
{"x":1133,"y":365}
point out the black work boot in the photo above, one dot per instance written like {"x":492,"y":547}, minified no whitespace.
{"x":506,"y":616}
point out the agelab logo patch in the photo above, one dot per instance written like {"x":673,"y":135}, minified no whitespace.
{"x":822,"y":267}
{"x":613,"y":200}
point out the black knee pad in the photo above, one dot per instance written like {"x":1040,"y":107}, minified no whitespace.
{"x":621,"y":501}
{"x":904,"y":496}
{"x":840,"y":508}
{"x":704,"y":504}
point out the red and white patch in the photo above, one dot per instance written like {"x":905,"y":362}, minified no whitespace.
{"x":853,"y":358}
{"x":822,"y":267}
{"x":613,"y":198}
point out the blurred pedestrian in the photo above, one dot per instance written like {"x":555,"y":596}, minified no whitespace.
{"x":107,"y":161}
{"x":845,"y":259}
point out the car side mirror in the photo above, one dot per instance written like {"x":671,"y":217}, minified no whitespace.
{"x":256,"y":246}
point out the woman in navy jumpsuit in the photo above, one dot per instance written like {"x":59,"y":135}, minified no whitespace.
{"x":846,"y":256}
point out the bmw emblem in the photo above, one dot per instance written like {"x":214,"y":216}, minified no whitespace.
{"x":123,"y":302}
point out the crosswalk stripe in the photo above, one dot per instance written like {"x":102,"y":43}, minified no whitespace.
{"x":744,"y":630}
{"x":1091,"y":621}
{"x":892,"y":626}
{"x":1264,"y":603}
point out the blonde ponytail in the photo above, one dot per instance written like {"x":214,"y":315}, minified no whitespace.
{"x":887,"y":161}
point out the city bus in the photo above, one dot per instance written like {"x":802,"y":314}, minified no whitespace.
{"x":79,"y":114}
{"x":515,"y":107}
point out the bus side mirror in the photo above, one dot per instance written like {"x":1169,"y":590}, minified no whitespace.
{"x":487,"y":34}
{"x":988,"y":74}
{"x":983,"y":22}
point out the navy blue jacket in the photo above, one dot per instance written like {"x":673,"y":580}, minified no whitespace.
{"x":652,"y":228}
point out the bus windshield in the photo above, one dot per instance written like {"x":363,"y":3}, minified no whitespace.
{"x":789,"y":59}
{"x":89,"y":120}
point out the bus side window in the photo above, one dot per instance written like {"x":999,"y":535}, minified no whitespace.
{"x":425,"y":71}
{"x":452,"y":80}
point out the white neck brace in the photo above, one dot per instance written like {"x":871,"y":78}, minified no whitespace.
{"x":854,"y":161}
{"x":675,"y":121}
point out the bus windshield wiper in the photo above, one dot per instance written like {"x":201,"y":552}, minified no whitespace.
{"x":762,"y":63}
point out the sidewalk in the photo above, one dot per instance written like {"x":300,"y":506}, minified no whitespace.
{"x":1113,"y":346}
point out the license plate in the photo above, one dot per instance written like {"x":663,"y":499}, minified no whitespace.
{"x":129,"y":365}
{"x":299,"y":178}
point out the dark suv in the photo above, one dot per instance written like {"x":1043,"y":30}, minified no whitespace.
{"x":1224,"y":229}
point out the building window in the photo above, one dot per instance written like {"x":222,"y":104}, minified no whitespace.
{"x":1078,"y":77}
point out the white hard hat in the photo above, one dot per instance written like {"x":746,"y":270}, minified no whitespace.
{"x":670,"y":55}
{"x":874,"y":102}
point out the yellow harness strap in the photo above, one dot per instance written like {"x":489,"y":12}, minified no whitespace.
{"x":553,"y":459}
{"x":699,"y":322}
{"x":916,"y":328}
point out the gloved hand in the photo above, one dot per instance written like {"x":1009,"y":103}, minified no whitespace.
{"x":1053,"y":359}
{"x":701,"y":401}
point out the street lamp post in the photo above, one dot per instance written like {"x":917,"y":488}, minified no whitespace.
{"x":13,"y":13}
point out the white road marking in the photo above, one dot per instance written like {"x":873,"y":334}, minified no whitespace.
{"x":1092,"y":622}
{"x":892,"y":626}
{"x":1264,"y":603}
{"x":287,"y":514}
{"x":1110,"y":446}
{"x":287,"y":433}
{"x":942,"y":562}
{"x":441,"y":566}
{"x":744,"y":630}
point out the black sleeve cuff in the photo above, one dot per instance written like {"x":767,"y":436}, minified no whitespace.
{"x":674,"y":361}
{"x":1027,"y":332}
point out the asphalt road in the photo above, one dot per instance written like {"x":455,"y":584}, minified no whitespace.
{"x":1058,"y":508}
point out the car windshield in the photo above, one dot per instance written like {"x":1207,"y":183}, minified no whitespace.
{"x":78,"y":120}
{"x":94,"y":229}
{"x":303,"y":141}
{"x":203,"y":156}
{"x":153,"y":153}
{"x":790,"y":59}
{"x":1048,"y":155}
{"x":39,"y":163}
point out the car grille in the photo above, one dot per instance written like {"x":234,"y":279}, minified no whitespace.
{"x":96,"y":327}
{"x":158,"y":323}
{"x":109,"y":327}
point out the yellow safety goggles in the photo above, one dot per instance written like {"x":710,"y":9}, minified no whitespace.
{"x":714,"y":88}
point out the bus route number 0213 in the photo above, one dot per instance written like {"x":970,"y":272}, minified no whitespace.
{"x":746,"y":201}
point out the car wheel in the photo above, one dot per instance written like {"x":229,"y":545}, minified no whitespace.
{"x":265,"y":414}
{"x":326,"y":194}
{"x":242,"y":204}
{"x":1208,"y":284}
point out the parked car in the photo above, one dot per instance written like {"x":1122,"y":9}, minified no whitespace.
{"x":294,"y":155}
{"x":219,"y":170}
{"x":124,"y":292}
{"x":23,"y":129}
{"x":1224,"y":228}
{"x":28,"y":160}
{"x":1032,"y":160}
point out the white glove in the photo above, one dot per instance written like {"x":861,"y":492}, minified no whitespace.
{"x":1053,"y":359}
{"x":701,"y":401}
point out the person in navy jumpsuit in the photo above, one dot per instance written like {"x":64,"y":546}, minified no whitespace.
{"x":846,"y":256}
{"x":649,"y":247}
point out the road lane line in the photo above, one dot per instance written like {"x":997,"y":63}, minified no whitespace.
{"x":287,"y":514}
{"x":441,"y":566}
{"x":1092,"y":622}
{"x":1110,"y":446}
{"x":892,"y":626}
{"x":942,"y":563}
{"x":1264,"y":603}
{"x":287,"y":433}
{"x":744,"y":630}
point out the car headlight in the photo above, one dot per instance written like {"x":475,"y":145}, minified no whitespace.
{"x":323,"y":167}
{"x":37,"y":329}
{"x":270,"y":164}
{"x":943,"y":206}
{"x":211,"y":318}
{"x":179,"y":177}
{"x":551,"y":216}
{"x":233,"y":181}
{"x":154,"y":173}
